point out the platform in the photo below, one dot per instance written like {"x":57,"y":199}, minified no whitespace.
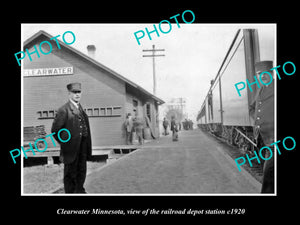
{"x":97,"y":150}
{"x":196,"y":164}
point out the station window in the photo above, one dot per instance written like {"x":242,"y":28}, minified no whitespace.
{"x":46,"y":114}
{"x":111,"y":111}
{"x":135,"y":103}
{"x":89,"y":112}
{"x":39,"y":114}
{"x":117,"y":110}
{"x":102,"y":111}
{"x":96,"y":112}
{"x":51,"y":113}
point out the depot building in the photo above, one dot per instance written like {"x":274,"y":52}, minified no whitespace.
{"x":107,"y":96}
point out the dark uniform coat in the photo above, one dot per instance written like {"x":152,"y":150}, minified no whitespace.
{"x":68,"y":117}
{"x":263,"y":114}
{"x":264,"y":125}
{"x":262,"y":106}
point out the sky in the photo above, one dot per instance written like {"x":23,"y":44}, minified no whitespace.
{"x":193,"y":54}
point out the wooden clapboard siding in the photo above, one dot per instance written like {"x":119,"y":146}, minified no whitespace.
{"x":101,"y":88}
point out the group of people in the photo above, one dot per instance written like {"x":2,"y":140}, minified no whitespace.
{"x":175,"y":126}
{"x":134,"y":125}
{"x":187,"y":124}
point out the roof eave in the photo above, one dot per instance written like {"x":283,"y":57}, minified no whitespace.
{"x":41,"y":32}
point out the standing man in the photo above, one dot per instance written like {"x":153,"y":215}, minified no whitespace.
{"x":174,"y":129}
{"x":263,"y":114}
{"x":165,"y":125}
{"x":75,"y":152}
{"x":129,"y":128}
{"x":138,"y":127}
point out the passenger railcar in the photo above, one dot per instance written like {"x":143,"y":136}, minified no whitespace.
{"x":225,"y":113}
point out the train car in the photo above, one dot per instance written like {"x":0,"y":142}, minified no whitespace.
{"x":223,"y":112}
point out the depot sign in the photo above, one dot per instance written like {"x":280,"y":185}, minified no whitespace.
{"x":47,"y":71}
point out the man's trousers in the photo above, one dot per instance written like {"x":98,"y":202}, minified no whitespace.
{"x":75,"y":172}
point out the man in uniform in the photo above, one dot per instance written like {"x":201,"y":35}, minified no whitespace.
{"x":75,"y":152}
{"x":263,"y":111}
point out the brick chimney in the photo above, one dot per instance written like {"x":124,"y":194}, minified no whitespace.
{"x":91,"y":51}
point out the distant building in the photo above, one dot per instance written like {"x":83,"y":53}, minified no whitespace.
{"x":177,"y":103}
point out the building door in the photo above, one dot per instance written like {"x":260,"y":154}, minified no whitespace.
{"x":148,"y":111}
{"x":135,"y":107}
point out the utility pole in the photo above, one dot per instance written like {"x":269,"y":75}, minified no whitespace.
{"x":153,"y":50}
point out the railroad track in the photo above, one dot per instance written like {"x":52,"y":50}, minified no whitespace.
{"x":234,"y":152}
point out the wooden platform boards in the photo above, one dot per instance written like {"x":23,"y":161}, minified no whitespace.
{"x":112,"y":152}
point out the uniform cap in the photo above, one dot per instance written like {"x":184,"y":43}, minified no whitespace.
{"x":262,"y":66}
{"x":74,"y":87}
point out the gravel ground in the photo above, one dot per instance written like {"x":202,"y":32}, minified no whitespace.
{"x":47,"y":178}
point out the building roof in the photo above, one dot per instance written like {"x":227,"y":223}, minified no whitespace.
{"x":96,"y":63}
